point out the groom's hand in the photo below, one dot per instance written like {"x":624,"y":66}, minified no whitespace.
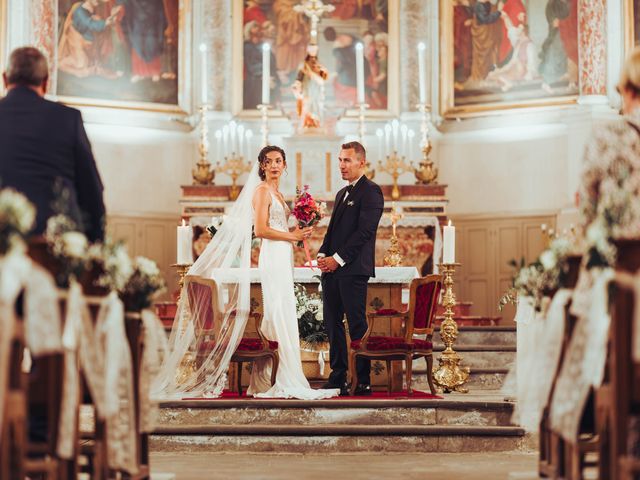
{"x":327,"y":264}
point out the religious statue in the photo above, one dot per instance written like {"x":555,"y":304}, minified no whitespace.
{"x":309,"y":89}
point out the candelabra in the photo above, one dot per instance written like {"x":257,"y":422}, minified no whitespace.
{"x":203,"y":174}
{"x":425,"y":173}
{"x":449,"y":375}
{"x":264,"y":126}
{"x":187,"y":365}
{"x":393,"y":258}
{"x":234,"y":166}
{"x":395,"y":166}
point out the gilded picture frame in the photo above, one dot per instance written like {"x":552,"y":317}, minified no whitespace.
{"x":390,"y":29}
{"x":477,"y":77}
{"x":631,"y":15}
{"x":172,"y":84}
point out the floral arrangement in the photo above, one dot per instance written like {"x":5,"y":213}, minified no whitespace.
{"x":307,"y":212}
{"x":310,"y":320}
{"x":113,"y":262}
{"x":546,"y":274}
{"x":68,"y":246}
{"x":17,"y":216}
{"x":143,"y":285}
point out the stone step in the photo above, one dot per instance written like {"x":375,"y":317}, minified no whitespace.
{"x":479,"y":379}
{"x":482,"y":356}
{"x":339,"y":438}
{"x":405,"y":412}
{"x":481,"y":336}
{"x":471,"y":320}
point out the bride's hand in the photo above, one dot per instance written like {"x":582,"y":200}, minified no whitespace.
{"x":302,"y":233}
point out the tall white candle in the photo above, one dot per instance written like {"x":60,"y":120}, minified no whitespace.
{"x":395,"y":126}
{"x":225,"y":141}
{"x":232,"y":136}
{"x":403,"y":131}
{"x":249,"y":135}
{"x":449,"y":244}
{"x":218,"y":136}
{"x":240,"y":132}
{"x":185,"y":256}
{"x":387,"y":139}
{"x":360,"y":71}
{"x":411,"y":135}
{"x":379,"y":134}
{"x":203,"y":74}
{"x":266,"y":73}
{"x":422,"y":72}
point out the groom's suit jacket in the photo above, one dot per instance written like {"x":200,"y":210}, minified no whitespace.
{"x":352,"y":228}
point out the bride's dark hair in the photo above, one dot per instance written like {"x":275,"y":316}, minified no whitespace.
{"x":262,"y":158}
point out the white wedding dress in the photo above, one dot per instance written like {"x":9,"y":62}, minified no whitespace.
{"x":280,"y":321}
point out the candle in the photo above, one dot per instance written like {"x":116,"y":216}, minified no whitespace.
{"x":422,"y":72}
{"x":232,"y":136}
{"x":379,"y":134}
{"x":248,"y":135}
{"x":203,"y":73}
{"x":225,"y":141}
{"x":240,"y":132}
{"x":360,"y":71}
{"x":185,"y":256}
{"x":266,"y":73}
{"x":218,"y":136}
{"x":403,"y":131}
{"x":387,"y":139}
{"x":449,"y":244}
{"x":395,"y":126}
{"x":411,"y":135}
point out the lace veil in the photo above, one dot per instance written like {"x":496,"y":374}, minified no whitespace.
{"x":210,"y":322}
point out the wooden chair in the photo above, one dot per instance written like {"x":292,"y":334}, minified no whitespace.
{"x":423,"y":299}
{"x":204,"y":293}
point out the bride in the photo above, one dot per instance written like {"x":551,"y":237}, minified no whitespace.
{"x":196,"y":365}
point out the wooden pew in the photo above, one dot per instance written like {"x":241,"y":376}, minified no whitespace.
{"x":13,"y":437}
{"x":551,"y":461}
{"x":619,"y":396}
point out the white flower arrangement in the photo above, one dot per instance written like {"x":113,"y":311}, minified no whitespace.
{"x":114,"y":261}
{"x":143,"y":285}
{"x":310,"y":319}
{"x":69,"y":246}
{"x":17,"y":216}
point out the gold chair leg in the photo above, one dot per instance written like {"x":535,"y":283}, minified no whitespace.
{"x":432,"y":387}
{"x":409,"y":371}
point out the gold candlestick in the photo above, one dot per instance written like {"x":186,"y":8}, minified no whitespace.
{"x":187,"y":366}
{"x":425,"y":173}
{"x":234,"y":166}
{"x":203,"y":174}
{"x":395,"y":166}
{"x":449,"y":375}
{"x":393,"y":258}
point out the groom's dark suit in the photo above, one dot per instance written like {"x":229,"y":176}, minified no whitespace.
{"x":352,"y":236}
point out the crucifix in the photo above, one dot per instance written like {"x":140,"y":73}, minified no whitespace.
{"x":314,"y":9}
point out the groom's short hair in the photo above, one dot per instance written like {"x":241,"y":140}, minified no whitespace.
{"x":358,"y":147}
{"x":27,"y":67}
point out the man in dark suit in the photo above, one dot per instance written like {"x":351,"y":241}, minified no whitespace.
{"x":44,"y":149}
{"x":347,"y":261}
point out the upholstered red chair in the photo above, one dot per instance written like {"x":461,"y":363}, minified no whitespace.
{"x":423,"y":299}
{"x":203,"y":296}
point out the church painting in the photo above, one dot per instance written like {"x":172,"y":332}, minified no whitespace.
{"x":632,"y":24}
{"x":499,"y":54}
{"x":119,"y":52}
{"x":320,"y":78}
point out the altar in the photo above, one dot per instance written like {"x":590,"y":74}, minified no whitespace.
{"x":388,"y":289}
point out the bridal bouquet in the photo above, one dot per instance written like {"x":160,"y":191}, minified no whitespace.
{"x":307,"y":212}
{"x":17,"y":216}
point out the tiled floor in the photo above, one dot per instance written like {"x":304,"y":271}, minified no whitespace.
{"x":451,"y":466}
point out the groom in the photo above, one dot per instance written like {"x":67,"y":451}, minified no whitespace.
{"x":347,"y":260}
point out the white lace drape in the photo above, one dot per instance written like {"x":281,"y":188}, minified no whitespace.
{"x":155,"y":349}
{"x":538,"y":368}
{"x":584,"y":361}
{"x":41,"y":313}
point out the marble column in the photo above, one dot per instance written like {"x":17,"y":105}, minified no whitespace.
{"x":216,"y":33}
{"x":43,"y":28}
{"x":592,"y":40}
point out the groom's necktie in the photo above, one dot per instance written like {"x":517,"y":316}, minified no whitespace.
{"x":348,"y":192}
